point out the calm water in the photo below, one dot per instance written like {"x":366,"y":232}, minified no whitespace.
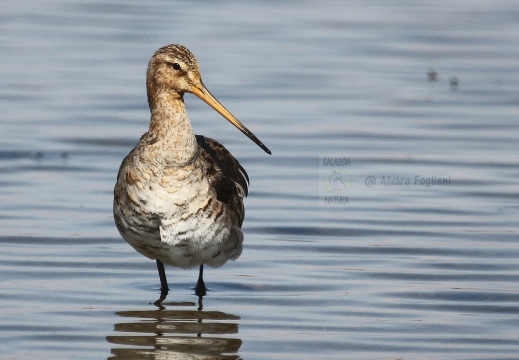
{"x":384,"y":225}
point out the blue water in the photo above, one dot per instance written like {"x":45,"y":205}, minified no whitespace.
{"x":384,"y":225}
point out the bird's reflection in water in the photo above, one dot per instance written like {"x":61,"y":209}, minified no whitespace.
{"x":176,"y":331}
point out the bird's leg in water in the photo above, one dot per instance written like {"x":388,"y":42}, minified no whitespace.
{"x":163,"y":281}
{"x":200,"y":288}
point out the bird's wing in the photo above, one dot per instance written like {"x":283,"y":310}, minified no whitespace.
{"x":225,"y":174}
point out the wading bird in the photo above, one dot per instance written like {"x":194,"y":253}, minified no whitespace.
{"x":178,"y":198}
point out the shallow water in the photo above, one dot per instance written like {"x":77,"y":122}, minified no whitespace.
{"x":383,"y":226}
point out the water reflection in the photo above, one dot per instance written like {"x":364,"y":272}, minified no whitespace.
{"x":175,"y":330}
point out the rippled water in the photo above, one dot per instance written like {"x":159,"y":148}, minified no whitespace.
{"x":384,"y":225}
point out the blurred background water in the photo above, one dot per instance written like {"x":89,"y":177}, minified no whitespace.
{"x":349,"y":253}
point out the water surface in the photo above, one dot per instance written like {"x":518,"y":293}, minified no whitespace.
{"x":405,"y":248}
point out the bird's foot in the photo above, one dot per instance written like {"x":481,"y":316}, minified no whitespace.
{"x":163,"y":295}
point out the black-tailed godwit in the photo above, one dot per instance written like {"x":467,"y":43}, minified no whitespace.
{"x":179,"y":196}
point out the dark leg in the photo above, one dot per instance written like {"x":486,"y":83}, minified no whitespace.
{"x":200,"y":288}
{"x":163,"y":282}
{"x":200,"y":307}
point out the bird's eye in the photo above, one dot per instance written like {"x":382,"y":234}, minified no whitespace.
{"x":176,"y":66}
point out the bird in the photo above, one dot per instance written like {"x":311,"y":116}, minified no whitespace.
{"x":178,"y":198}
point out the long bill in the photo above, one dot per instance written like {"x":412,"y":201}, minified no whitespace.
{"x":201,"y":91}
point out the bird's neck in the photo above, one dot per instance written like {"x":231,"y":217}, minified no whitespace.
{"x":171,"y":131}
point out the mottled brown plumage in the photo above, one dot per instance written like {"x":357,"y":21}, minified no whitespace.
{"x":178,"y":198}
